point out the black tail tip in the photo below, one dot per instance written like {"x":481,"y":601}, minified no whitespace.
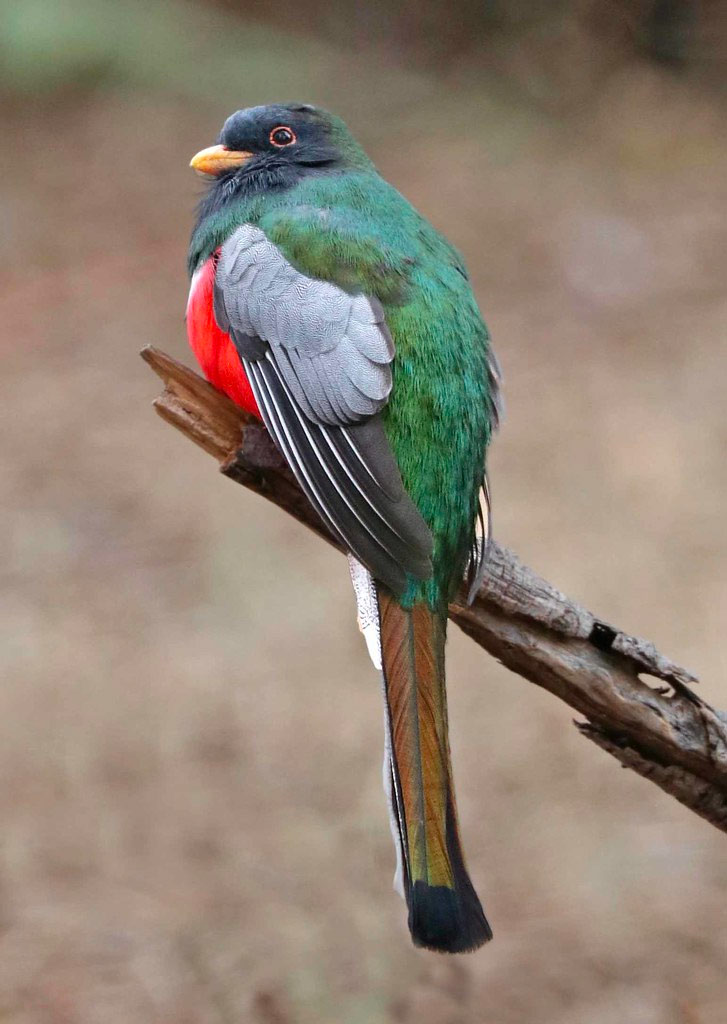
{"x":446,"y":920}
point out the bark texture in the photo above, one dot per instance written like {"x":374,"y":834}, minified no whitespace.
{"x":637,"y":704}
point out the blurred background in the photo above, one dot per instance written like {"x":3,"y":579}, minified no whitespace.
{"x":191,"y":817}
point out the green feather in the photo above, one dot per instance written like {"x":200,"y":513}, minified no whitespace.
{"x":353,"y":229}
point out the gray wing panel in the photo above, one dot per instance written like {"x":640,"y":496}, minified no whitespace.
{"x":333,"y":348}
{"x":351,"y":479}
{"x":318,"y":360}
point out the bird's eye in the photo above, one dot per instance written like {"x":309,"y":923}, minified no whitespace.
{"x":282,"y":136}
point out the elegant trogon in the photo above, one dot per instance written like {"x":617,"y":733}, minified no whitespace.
{"x":322,"y":302}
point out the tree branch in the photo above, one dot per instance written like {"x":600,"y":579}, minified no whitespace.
{"x":665,"y":733}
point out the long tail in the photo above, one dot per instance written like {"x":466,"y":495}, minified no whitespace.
{"x":444,"y":911}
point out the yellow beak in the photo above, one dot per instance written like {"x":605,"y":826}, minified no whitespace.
{"x":216,"y":160}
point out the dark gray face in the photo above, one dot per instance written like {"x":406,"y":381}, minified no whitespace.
{"x":267,"y":149}
{"x":295,"y":134}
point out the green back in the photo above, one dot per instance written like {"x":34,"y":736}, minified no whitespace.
{"x":352,"y":228}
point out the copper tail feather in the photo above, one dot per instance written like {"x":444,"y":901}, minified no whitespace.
{"x":444,"y":911}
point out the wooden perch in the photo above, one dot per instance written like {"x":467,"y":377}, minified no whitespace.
{"x":665,"y":733}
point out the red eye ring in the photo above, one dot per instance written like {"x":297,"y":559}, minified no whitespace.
{"x":282,"y":136}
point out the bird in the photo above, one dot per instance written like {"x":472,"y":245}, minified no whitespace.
{"x":324,"y":304}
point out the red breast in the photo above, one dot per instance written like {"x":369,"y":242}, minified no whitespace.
{"x":214,"y":349}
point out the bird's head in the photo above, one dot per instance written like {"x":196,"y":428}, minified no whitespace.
{"x":279,"y":141}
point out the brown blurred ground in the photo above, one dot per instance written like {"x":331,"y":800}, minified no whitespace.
{"x":192,"y":822}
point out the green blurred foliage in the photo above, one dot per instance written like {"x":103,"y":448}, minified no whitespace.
{"x":177,"y":46}
{"x":209,"y":50}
